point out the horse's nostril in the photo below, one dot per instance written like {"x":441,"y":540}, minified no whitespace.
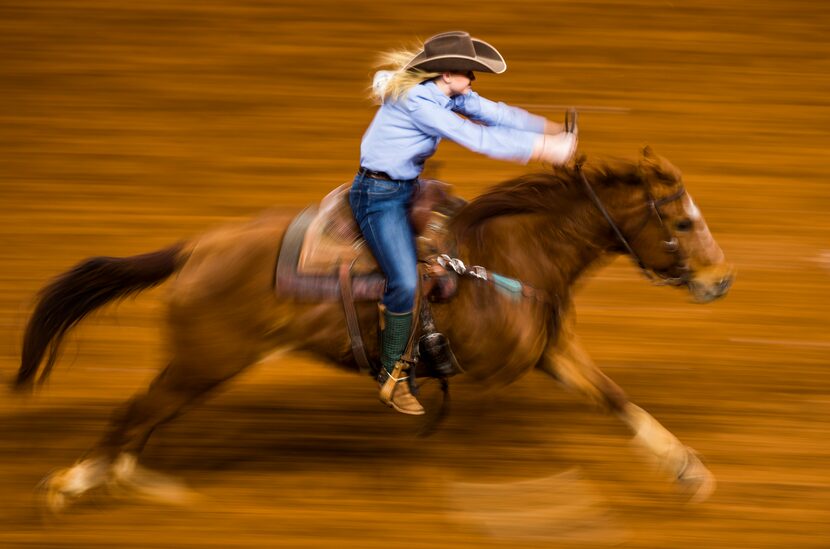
{"x":725,"y":283}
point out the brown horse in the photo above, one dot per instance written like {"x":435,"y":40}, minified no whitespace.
{"x":225,"y":314}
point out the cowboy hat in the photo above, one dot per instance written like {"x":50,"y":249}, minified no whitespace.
{"x":457,"y":51}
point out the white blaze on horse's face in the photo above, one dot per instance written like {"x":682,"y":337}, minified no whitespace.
{"x":691,"y":208}
{"x":711,"y":275}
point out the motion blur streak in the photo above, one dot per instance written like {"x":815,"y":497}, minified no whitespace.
{"x":129,"y":126}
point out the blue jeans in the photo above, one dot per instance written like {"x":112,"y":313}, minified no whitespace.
{"x":381,"y":209}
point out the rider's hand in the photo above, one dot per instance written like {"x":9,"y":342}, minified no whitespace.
{"x":570,"y":125}
{"x":555,"y":149}
{"x":552,"y":128}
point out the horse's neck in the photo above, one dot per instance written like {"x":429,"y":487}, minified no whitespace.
{"x":550,"y":251}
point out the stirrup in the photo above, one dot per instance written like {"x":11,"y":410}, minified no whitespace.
{"x":394,"y":391}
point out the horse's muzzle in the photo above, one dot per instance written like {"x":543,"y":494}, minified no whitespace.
{"x":707,"y":289}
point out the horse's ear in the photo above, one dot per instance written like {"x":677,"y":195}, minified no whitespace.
{"x":652,"y":163}
{"x":649,"y":161}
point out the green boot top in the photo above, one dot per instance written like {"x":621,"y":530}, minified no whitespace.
{"x":394,"y":338}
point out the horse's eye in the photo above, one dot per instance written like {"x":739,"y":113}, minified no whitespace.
{"x":684,"y":225}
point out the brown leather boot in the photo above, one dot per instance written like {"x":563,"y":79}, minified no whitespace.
{"x":394,"y":391}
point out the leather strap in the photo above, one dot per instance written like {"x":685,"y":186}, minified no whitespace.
{"x":409,"y":352}
{"x":352,"y":322}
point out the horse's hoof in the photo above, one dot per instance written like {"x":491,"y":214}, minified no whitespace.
{"x":63,"y":487}
{"x":53,"y":501}
{"x":695,"y":479}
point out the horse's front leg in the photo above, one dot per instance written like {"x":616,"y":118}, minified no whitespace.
{"x":568,"y":363}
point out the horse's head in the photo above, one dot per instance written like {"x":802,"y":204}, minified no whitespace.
{"x":672,"y":239}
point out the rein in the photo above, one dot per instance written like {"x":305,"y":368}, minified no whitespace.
{"x":654,"y":207}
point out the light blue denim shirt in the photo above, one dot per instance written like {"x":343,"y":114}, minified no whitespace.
{"x":405,"y":133}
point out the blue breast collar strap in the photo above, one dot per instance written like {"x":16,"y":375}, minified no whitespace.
{"x":511,"y":287}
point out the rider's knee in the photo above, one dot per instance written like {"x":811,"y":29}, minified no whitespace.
{"x":400,"y":297}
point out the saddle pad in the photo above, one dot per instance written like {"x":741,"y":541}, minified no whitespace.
{"x":317,"y":287}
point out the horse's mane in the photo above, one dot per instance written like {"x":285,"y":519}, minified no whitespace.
{"x":542,"y":192}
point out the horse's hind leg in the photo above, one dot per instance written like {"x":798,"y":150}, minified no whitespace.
{"x":187,"y":379}
{"x":568,"y":363}
{"x":114,"y":460}
{"x":170,"y":394}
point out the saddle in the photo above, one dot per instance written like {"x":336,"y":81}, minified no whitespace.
{"x":324,"y":241}
{"x":333,"y":236}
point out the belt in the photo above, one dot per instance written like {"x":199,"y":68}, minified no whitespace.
{"x":365,"y":172}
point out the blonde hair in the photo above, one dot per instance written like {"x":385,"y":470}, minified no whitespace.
{"x":398,"y":82}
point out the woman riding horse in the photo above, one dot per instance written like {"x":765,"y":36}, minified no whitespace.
{"x":224,"y":312}
{"x":418,"y":106}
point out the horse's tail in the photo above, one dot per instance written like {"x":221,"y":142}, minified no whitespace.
{"x":66,"y":300}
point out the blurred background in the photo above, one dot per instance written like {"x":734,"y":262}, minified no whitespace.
{"x":125,"y":126}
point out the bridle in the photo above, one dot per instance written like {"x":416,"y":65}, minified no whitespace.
{"x":670,"y":243}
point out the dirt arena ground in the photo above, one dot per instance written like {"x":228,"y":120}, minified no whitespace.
{"x":128,"y":125}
